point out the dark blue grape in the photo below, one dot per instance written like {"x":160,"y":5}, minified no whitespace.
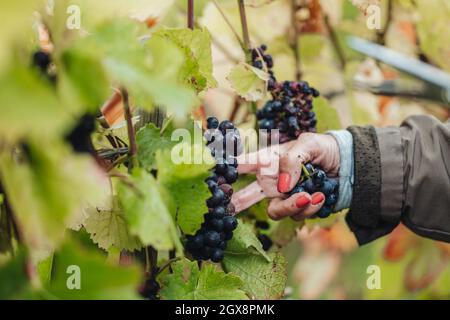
{"x":218,"y":212}
{"x":212,"y":238}
{"x":212,"y":123}
{"x":216,"y":255}
{"x":331,"y":200}
{"x":324,"y":212}
{"x":327,"y":188}
{"x":231,"y":174}
{"x":216,"y":224}
{"x":309,"y":186}
{"x":229,"y":223}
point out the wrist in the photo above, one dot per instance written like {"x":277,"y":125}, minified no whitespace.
{"x":344,"y":140}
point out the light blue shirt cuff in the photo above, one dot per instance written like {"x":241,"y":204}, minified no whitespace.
{"x":346,"y":168}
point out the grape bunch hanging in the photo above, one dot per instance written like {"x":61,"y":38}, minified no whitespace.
{"x":210,"y":242}
{"x":291,"y":112}
{"x":290,"y":109}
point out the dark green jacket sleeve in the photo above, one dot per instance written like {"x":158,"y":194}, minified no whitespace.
{"x":402,"y":174}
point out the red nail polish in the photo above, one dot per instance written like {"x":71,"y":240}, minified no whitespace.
{"x":317,"y":198}
{"x":284,"y":182}
{"x":302,"y":202}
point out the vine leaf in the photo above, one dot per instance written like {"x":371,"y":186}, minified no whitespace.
{"x":47,"y":191}
{"x":98,"y":279}
{"x":187,"y":282}
{"x":433,"y":30}
{"x":15,"y":284}
{"x":185,"y":184}
{"x":327,"y":115}
{"x":245,"y":242}
{"x":249,"y":82}
{"x":262,"y":279}
{"x":196,"y":45}
{"x":146,"y":213}
{"x":108,"y":228}
{"x":19,"y":122}
{"x":149,"y":140}
{"x":284,"y":231}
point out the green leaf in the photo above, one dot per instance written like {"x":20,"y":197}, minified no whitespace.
{"x":185,"y":184}
{"x":187,"y":282}
{"x":245,"y":242}
{"x":44,"y":269}
{"x":36,"y":113}
{"x":433,"y":30}
{"x":262,"y":279}
{"x":249,"y":82}
{"x":15,"y":18}
{"x":149,"y":140}
{"x":328,"y":118}
{"x":196,"y":45}
{"x":128,"y":62}
{"x":146,"y":212}
{"x":87,"y":76}
{"x":98,"y":278}
{"x":284,"y":231}
{"x":13,"y":279}
{"x":48,"y":189}
{"x":108,"y":228}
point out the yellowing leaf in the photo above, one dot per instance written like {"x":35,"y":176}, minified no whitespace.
{"x":262,"y":279}
{"x":249,"y":82}
{"x":187,"y":282}
{"x":108,"y":228}
{"x":196,"y":45}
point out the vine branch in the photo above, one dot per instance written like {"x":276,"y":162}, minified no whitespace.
{"x":295,"y":41}
{"x":132,"y":151}
{"x":335,"y":42}
{"x":245,"y":33}
{"x":190,"y":14}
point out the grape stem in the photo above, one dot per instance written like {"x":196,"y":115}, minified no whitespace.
{"x":245,"y":33}
{"x":335,"y":42}
{"x":295,"y":41}
{"x":190,"y":14}
{"x":305,"y":171}
{"x":132,"y":152}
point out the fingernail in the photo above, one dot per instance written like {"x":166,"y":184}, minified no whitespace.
{"x":302,"y":201}
{"x":317,"y":198}
{"x":284,"y":182}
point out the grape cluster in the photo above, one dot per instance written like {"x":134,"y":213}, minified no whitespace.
{"x":290,"y":110}
{"x":210,"y":241}
{"x":314,"y":180}
{"x":261,"y":59}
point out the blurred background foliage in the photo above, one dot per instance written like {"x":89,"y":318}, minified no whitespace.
{"x":307,"y":38}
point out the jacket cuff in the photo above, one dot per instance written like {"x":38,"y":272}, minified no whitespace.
{"x":366,"y":200}
{"x":391,"y":159}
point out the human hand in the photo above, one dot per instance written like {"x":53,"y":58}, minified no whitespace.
{"x":319,"y":149}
